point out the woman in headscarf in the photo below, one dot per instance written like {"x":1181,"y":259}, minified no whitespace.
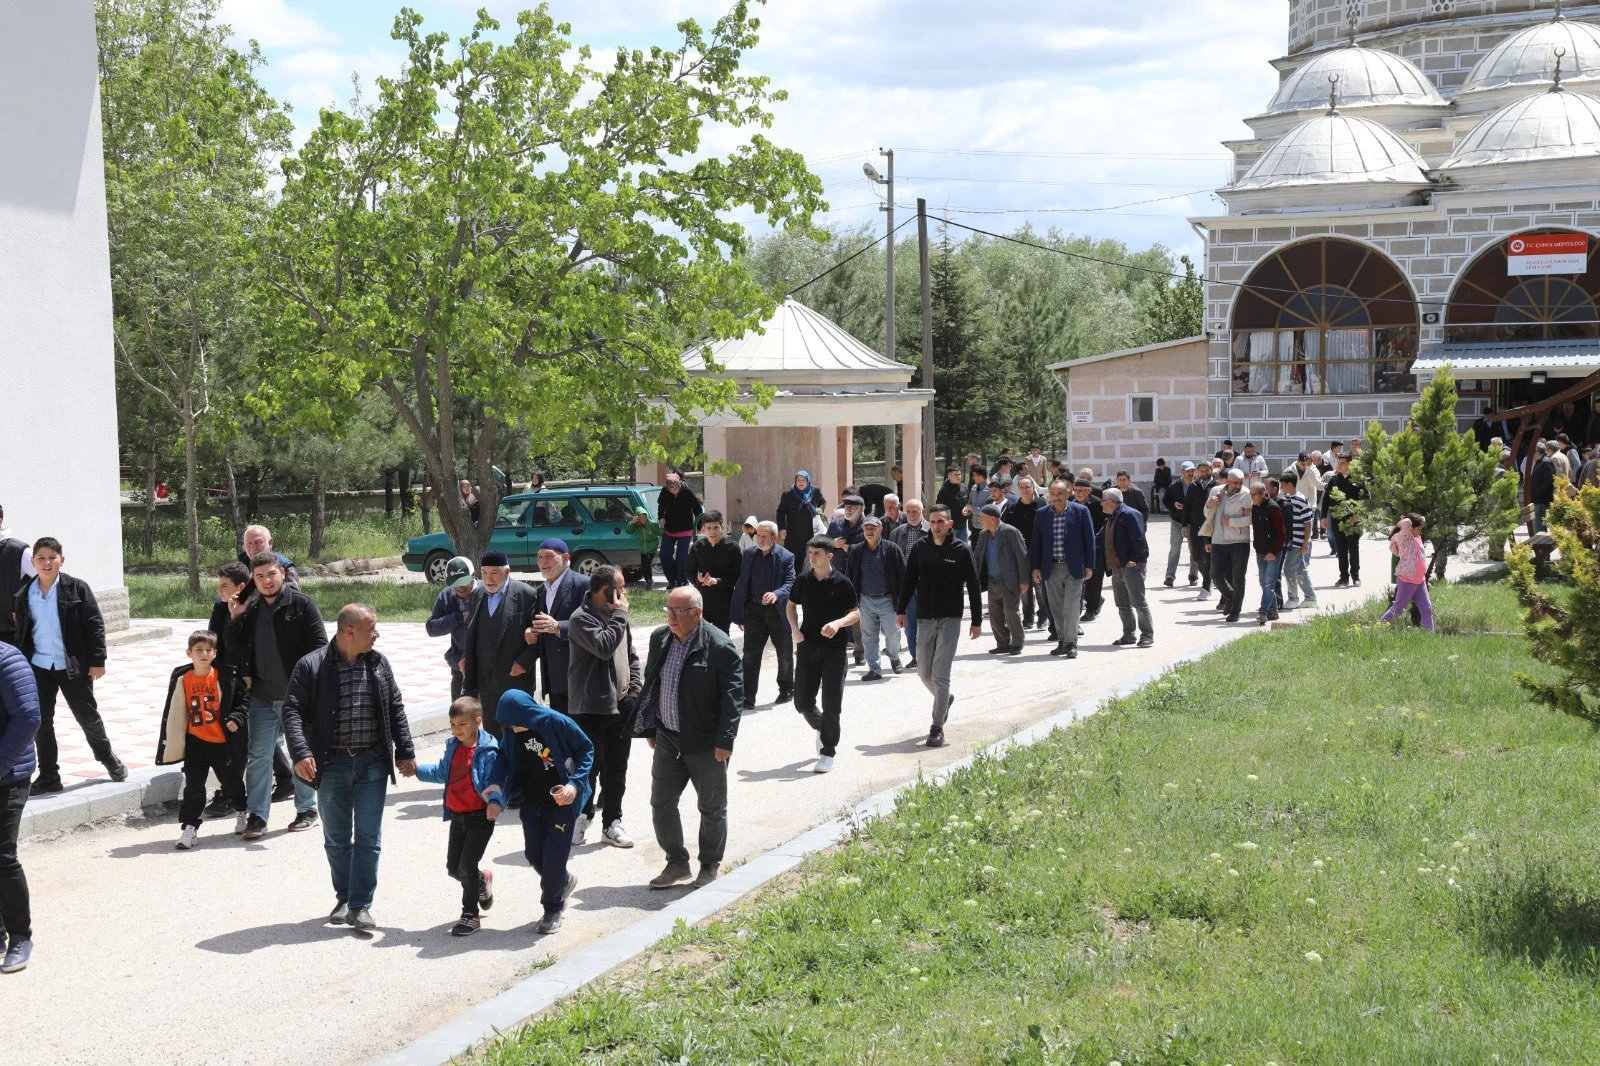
{"x":796,"y":511}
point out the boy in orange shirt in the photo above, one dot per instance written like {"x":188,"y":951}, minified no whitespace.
{"x":192,"y":731}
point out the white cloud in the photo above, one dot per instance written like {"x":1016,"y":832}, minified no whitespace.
{"x":274,"y":24}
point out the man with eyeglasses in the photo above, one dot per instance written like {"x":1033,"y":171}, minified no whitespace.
{"x":939,"y":568}
{"x":689,"y":715}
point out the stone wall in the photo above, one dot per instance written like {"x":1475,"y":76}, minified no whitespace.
{"x":1175,"y":376}
{"x":1315,"y":24}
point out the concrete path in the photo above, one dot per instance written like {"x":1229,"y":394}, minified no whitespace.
{"x":220,"y":955}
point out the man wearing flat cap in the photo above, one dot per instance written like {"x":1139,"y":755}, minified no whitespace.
{"x":497,"y":657}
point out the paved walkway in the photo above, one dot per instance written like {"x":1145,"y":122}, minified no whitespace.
{"x":220,"y":955}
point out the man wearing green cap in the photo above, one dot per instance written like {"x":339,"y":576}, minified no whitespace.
{"x":449,"y":617}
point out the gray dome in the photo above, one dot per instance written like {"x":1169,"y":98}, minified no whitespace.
{"x":1367,"y":77}
{"x":1335,"y":149}
{"x":1528,"y":58}
{"x":1548,"y":127}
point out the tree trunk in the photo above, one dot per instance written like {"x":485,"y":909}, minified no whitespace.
{"x":388,"y":493}
{"x":233,"y":503}
{"x":191,"y":494}
{"x":149,"y":544}
{"x":252,"y":504}
{"x":405,"y":490}
{"x":1441,"y":556}
{"x":319,"y":513}
{"x":427,"y":516}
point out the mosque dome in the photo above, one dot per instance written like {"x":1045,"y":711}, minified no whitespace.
{"x":1527,"y":59}
{"x":1332,"y":152}
{"x":1373,"y":83}
{"x":1554,"y":127}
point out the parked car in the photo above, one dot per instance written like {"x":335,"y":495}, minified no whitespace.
{"x":594,"y":520}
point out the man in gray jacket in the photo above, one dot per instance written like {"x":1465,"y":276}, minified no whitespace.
{"x":603,"y":682}
{"x":1002,"y":558}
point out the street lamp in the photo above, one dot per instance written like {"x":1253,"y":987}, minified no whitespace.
{"x":888,"y":311}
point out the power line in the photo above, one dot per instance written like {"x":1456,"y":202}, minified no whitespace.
{"x":1060,"y":155}
{"x":1109,"y":209}
{"x":858,"y":252}
{"x":1062,"y":184}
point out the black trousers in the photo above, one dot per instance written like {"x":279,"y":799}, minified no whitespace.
{"x":719,"y":606}
{"x":16,"y":918}
{"x":1349,"y":556}
{"x":456,"y":683}
{"x":79,"y":694}
{"x":202,"y":757}
{"x":1034,"y":594}
{"x":764,"y":622}
{"x":820,"y":666}
{"x":469,"y":839}
{"x":1094,"y":595}
{"x":1202,"y":558}
{"x":612,"y":737}
{"x":1229,"y":564}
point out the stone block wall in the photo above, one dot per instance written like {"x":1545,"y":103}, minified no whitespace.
{"x":1175,"y":376}
{"x":1315,"y":24}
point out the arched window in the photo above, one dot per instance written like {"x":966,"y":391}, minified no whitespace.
{"x":1324,"y":317}
{"x":1491,"y":305}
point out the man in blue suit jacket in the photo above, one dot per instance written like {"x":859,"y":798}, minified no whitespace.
{"x":1062,"y":556}
{"x":759,"y":599}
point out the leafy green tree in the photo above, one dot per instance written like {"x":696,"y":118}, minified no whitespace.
{"x":1430,"y":469}
{"x":1177,"y":309}
{"x":188,"y":136}
{"x":510,"y":227}
{"x":974,"y":384}
{"x":1563,"y":629}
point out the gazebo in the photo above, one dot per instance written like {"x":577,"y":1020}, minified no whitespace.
{"x":828,"y":383}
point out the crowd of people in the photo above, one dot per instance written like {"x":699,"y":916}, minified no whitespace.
{"x":548,"y":688}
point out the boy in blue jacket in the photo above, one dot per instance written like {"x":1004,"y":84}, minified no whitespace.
{"x":551,"y":757}
{"x":474,"y":778}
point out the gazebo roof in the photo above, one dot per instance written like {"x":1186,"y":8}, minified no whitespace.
{"x":798,"y":346}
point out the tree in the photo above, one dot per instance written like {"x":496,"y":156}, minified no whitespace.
{"x":1565,"y":634}
{"x":188,"y":133}
{"x":974,"y":384}
{"x":509,"y":229}
{"x":1177,"y":309}
{"x":1429,"y":468}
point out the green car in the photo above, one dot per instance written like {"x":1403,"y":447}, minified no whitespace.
{"x":594,"y":520}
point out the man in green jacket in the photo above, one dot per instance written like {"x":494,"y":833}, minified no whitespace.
{"x":693,"y":689}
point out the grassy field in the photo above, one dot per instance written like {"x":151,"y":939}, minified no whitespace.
{"x":365,"y":536}
{"x":164,"y":596}
{"x":1326,"y":845}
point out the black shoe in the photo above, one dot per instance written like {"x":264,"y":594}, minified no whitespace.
{"x":303,"y":820}
{"x":1146,"y":641}
{"x":1015,"y":649}
{"x":895,"y":667}
{"x":748,"y":705}
{"x":218,"y":807}
{"x":1193,"y":580}
{"x":1072,"y":651}
{"x":116,"y":770}
{"x":1124,"y":640}
{"x":935,"y":738}
{"x":911,"y":663}
{"x":1233,"y":616}
{"x":1272,"y":616}
{"x":283,"y":790}
{"x":784,"y":697}
{"x":1168,"y":582}
{"x":1059,"y":649}
{"x":1342,"y":583}
{"x":872,"y":675}
{"x":43,"y":788}
{"x":861,"y":660}
{"x":1000,"y":649}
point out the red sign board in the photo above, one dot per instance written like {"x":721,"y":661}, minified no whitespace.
{"x":1547,"y":253}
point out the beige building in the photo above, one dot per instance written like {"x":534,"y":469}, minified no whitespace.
{"x":1127,"y":409}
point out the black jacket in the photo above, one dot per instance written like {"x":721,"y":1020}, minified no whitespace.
{"x":894,"y":566}
{"x":1126,"y":536}
{"x":1194,"y":503}
{"x":1542,"y":482}
{"x":1022,"y":516}
{"x":83,"y":628}
{"x":794,"y":520}
{"x":489,"y":677}
{"x":677,"y":514}
{"x":937,"y":574}
{"x":1348,"y":487}
{"x":955,"y":498}
{"x":1133,"y":497}
{"x":233,"y":701}
{"x":1176,"y":500}
{"x":555,"y":653}
{"x":710,"y":690}
{"x":11,"y":579}
{"x":313,"y":701}
{"x":296,"y":623}
{"x":722,"y":561}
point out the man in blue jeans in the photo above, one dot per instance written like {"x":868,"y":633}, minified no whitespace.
{"x":1271,"y":536}
{"x":273,"y":628}
{"x":347,"y":732}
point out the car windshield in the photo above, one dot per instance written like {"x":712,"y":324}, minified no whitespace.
{"x":511,"y":512}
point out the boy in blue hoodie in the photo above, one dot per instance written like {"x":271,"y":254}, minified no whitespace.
{"x":474,"y":778}
{"x":552,"y":758}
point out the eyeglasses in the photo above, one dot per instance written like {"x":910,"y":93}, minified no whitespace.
{"x":681,"y":610}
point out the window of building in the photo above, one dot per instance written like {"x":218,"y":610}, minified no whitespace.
{"x":1141,"y":408}
{"x":1490,"y":305}
{"x":1324,"y":317}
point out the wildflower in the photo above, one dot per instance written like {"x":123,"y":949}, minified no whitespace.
{"x":1312,"y":956}
{"x":877,"y":921}
{"x":1311,"y":901}
{"x":1232,"y":872}
{"x":969,"y":903}
{"x":1316,"y":864}
{"x":989,"y":870}
{"x":849,"y":882}
{"x":1246,"y":845}
{"x":1216,"y":856}
{"x":1252,"y":777}
{"x":1127,"y":851}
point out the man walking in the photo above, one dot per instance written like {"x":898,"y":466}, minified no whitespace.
{"x":876,"y":569}
{"x":497,"y":656}
{"x":1022,"y":515}
{"x":689,"y":715}
{"x":451,"y":609}
{"x":677,"y":509}
{"x":272,"y":630}
{"x":1297,"y":552}
{"x":714,"y":565}
{"x":348,"y":733}
{"x":604,"y":679}
{"x":905,"y":537}
{"x":1344,"y":532}
{"x":1003,"y":571}
{"x":19,"y":722}
{"x":1131,"y":495}
{"x":62,"y":634}
{"x":766,"y":576}
{"x":938,"y":571}
{"x":1194,"y":517}
{"x":1062,"y":557}
{"x":1127,"y":555}
{"x":1094,"y":596}
{"x":1230,"y":542}
{"x":562,"y":592}
{"x":846,"y":533}
{"x":1174,"y":501}
{"x":953,"y":496}
{"x":1270,"y":535}
{"x":1254,"y":466}
{"x":822,"y":608}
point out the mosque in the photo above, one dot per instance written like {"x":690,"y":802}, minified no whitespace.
{"x":1424,"y":188}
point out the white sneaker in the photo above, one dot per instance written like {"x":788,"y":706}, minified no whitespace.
{"x":188,"y":838}
{"x":580,"y":830}
{"x":240,"y":822}
{"x":824,"y":764}
{"x":617,"y":836}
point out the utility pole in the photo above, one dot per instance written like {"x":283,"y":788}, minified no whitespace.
{"x":888,"y":307}
{"x":930,"y":479}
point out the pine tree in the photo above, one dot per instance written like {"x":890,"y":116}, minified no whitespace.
{"x":1429,"y":468}
{"x":1565,"y":634}
{"x":973,"y":381}
{"x":1177,"y":310}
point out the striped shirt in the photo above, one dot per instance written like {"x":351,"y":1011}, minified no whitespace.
{"x":1299,"y":514}
{"x":671,"y":669}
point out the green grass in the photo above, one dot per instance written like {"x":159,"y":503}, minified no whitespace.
{"x":354,"y":536}
{"x":1146,"y":887}
{"x":166,"y":596}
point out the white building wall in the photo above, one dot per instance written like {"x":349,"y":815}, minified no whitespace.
{"x":58,"y":434}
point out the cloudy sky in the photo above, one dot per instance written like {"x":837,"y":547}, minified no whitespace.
{"x":1097,"y":116}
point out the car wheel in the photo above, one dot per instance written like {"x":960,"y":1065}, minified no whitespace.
{"x":587,"y":562}
{"x":435,"y":565}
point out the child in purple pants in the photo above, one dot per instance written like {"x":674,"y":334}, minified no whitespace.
{"x":1411,"y":576}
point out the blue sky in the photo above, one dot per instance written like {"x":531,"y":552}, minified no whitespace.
{"x":1002,"y":117}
